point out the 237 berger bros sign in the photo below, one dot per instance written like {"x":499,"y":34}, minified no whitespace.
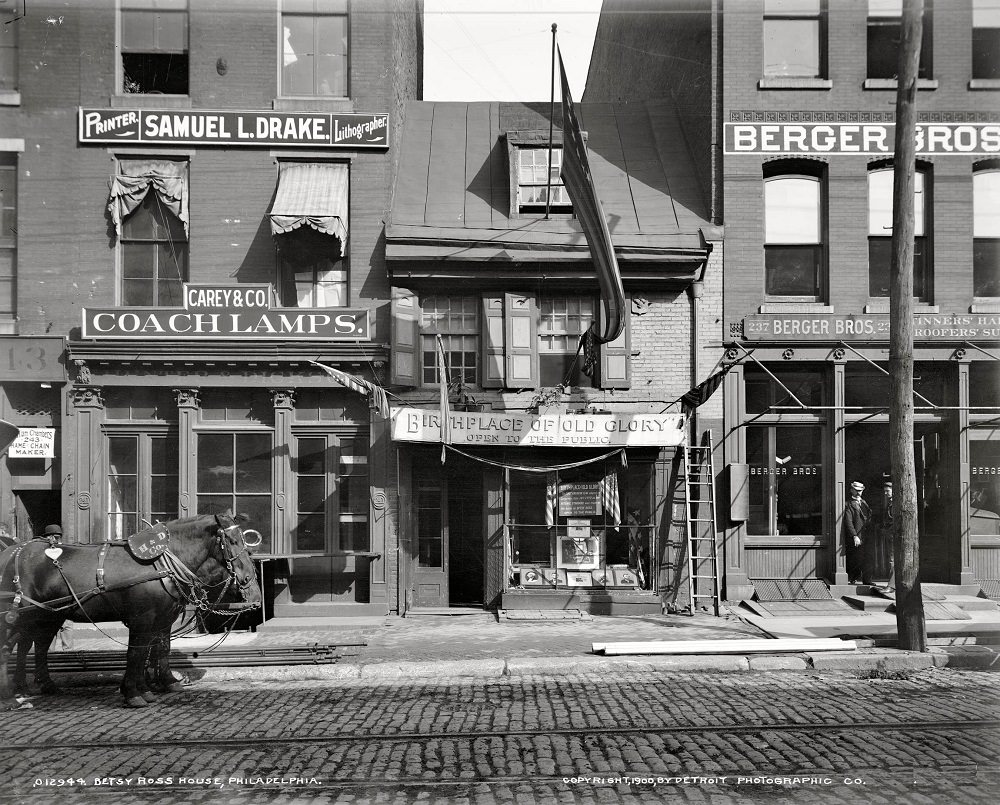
{"x":204,"y":127}
{"x":227,"y":312}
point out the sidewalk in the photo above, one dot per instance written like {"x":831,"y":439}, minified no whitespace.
{"x":480,"y":645}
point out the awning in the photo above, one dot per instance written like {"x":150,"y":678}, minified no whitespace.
{"x":313,"y":195}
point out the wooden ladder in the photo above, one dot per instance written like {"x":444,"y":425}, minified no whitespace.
{"x":702,"y":542}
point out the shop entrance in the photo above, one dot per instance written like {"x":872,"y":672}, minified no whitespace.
{"x":450,"y":545}
{"x":867,"y":460}
{"x":35,"y":509}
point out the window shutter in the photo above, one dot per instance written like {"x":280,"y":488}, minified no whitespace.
{"x":492,"y":349}
{"x":405,"y":338}
{"x":616,"y":370}
{"x":521,"y":340}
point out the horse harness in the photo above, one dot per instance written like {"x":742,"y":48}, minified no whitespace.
{"x":165,"y":565}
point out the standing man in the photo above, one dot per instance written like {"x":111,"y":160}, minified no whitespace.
{"x":885,"y":536}
{"x":857,"y":516}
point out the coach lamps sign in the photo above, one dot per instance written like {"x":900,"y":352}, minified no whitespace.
{"x":227,"y":312}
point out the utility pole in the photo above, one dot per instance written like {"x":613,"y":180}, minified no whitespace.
{"x":910,"y":626}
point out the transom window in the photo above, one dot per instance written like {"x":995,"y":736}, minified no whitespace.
{"x":154,"y":251}
{"x":793,"y":33}
{"x":880,"y":234}
{"x":986,"y":232}
{"x":534,"y":184}
{"x":562,"y":320}
{"x":884,"y":33}
{"x":456,"y":319}
{"x":154,"y":46}
{"x":985,"y":39}
{"x":793,"y":236}
{"x":315,"y":50}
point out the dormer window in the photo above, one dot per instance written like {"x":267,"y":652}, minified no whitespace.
{"x":535,"y":181}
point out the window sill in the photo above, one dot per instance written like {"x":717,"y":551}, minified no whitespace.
{"x":891,"y":83}
{"x":312,"y":103}
{"x":985,"y":307}
{"x":918,"y":307}
{"x":984,"y":83}
{"x":795,"y":307}
{"x":12,"y":144}
{"x":8,"y":326}
{"x":795,"y":83}
{"x":10,"y":98}
{"x":144,"y":101}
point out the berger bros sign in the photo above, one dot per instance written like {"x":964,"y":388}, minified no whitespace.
{"x":201,"y":127}
{"x":232,"y":312}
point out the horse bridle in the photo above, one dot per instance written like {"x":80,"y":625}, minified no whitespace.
{"x":226,"y":536}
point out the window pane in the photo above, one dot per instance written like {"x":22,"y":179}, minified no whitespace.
{"x":986,"y":267}
{"x":986,"y":52}
{"x":984,"y":488}
{"x":310,"y":535}
{"x":312,"y":456}
{"x":791,"y":8}
{"x":880,"y":203}
{"x":791,"y":48}
{"x":880,"y":261}
{"x":791,"y":209}
{"x":215,"y":463}
{"x":123,"y":455}
{"x":799,"y":487}
{"x":253,"y":462}
{"x":792,"y":270}
{"x":986,"y":202}
{"x":984,"y":383}
{"x":762,"y":390}
{"x":759,"y":484}
{"x":164,"y":459}
{"x":258,"y":509}
{"x":312,"y":494}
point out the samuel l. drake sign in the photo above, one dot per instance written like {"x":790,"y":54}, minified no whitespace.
{"x":232,"y":312}
{"x":202,"y":127}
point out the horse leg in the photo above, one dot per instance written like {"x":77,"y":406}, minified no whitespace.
{"x":162,"y":675}
{"x":43,"y":640}
{"x":6,"y":693}
{"x":21,"y":664}
{"x":133,"y":687}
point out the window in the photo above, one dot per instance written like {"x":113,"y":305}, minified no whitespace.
{"x":984,"y":487}
{"x":456,"y":319}
{"x":986,"y":232}
{"x":763,"y":391}
{"x":332,"y":494}
{"x":354,"y":493}
{"x":315,"y":54}
{"x":785,"y":465}
{"x":234,"y":473}
{"x":880,"y":234}
{"x":8,"y":236}
{"x":561,"y":323}
{"x":985,"y":39}
{"x":154,"y":256}
{"x":533,"y":181}
{"x":884,"y":31}
{"x":154,"y":46}
{"x":322,"y":282}
{"x":793,"y":39}
{"x":8,"y":57}
{"x":793,"y":237}
{"x":142,"y":481}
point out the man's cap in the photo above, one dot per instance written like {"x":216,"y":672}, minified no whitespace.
{"x":887,"y":483}
{"x":52,"y":529}
{"x":857,"y":486}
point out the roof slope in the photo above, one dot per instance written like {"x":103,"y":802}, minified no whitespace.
{"x":452,"y":191}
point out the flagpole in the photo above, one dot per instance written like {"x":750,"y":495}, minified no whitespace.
{"x":552,"y":106}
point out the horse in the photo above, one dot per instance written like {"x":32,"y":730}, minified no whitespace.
{"x":145,"y":581}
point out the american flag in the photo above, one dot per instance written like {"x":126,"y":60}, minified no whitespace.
{"x":360,"y":386}
{"x":551,"y":498}
{"x":445,"y":412}
{"x":609,"y":498}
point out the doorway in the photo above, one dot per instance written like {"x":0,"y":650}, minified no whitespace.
{"x":33,"y":510}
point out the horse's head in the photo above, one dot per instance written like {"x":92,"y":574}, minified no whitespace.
{"x":234,"y":554}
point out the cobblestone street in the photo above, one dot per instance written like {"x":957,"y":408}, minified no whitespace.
{"x":931,"y":737}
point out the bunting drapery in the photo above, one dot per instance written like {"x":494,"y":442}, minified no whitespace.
{"x":361,"y":386}
{"x":551,"y":498}
{"x":168,"y":179}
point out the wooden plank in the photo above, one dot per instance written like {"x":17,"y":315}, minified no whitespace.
{"x":748,"y":646}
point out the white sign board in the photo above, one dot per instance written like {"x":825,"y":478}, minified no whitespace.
{"x":503,"y":429}
{"x":34,"y":443}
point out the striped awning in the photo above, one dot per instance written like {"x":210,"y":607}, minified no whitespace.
{"x":313,"y":195}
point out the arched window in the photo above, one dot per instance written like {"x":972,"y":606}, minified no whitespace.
{"x":880,"y":233}
{"x":986,"y":232}
{"x":794,"y":253}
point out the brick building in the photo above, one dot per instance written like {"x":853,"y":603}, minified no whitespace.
{"x":794,"y":105}
{"x":557,"y":490}
{"x":193,"y":204}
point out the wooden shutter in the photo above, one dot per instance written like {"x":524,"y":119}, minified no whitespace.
{"x":405,"y":338}
{"x":616,"y":370}
{"x":521,"y":340}
{"x":492,"y":349}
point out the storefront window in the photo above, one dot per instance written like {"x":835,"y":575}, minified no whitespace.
{"x":984,"y":384}
{"x":984,"y":488}
{"x":786,"y":490}
{"x":867,"y":387}
{"x":142,"y":482}
{"x":763,"y":391}
{"x":353,"y":485}
{"x":234,"y":474}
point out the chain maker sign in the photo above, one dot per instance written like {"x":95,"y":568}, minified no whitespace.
{"x":232,"y":312}
{"x":201,"y":127}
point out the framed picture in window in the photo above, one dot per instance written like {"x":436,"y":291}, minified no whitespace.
{"x":579,"y":548}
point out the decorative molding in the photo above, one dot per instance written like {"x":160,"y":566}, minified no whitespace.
{"x":960,"y":354}
{"x":188,"y":398}
{"x":83,"y":376}
{"x":736,"y":329}
{"x":829,"y":116}
{"x":838,"y":354}
{"x":87,"y":397}
{"x":378,"y":499}
{"x":283,"y":398}
{"x":83,"y":501}
{"x":788,"y":354}
{"x":640,"y":306}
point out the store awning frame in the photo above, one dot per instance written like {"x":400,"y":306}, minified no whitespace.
{"x":313,"y":195}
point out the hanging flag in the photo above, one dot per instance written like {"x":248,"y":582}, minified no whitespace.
{"x":609,"y":498}
{"x":443,"y":380}
{"x":551,"y":495}
{"x":361,"y":386}
{"x":579,"y":184}
{"x":699,"y":394}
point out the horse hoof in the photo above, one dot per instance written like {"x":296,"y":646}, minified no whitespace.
{"x":136,"y":701}
{"x":148,"y":695}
